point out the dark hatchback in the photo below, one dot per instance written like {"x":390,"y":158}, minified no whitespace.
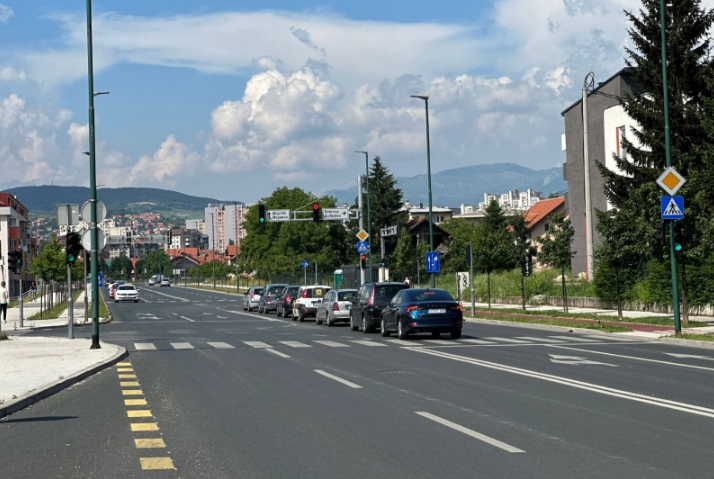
{"x":285,"y":302}
{"x":422,"y":311}
{"x":367,"y":306}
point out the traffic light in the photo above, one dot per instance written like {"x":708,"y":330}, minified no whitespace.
{"x":73,"y":247}
{"x":261,"y":214}
{"x":468,"y":255}
{"x":659,"y":233}
{"x":362,"y":261}
{"x":14,"y":259}
{"x":677,"y":237}
{"x":316,"y":212}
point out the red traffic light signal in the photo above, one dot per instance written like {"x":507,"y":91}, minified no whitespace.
{"x":362,"y":261}
{"x":316,"y":211}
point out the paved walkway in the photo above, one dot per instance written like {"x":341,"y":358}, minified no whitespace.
{"x":13,"y":317}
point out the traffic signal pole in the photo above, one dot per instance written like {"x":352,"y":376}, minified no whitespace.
{"x":70,"y":304}
{"x":22,"y":283}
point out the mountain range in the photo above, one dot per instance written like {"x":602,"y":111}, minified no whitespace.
{"x":467,"y":185}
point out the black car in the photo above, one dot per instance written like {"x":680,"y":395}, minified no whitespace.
{"x":367,"y":306}
{"x":269,"y":299}
{"x":422,"y":311}
{"x":285,"y":302}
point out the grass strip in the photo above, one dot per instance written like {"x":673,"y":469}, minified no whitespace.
{"x":3,"y":336}
{"x":581,"y":323}
{"x":103,"y":310}
{"x":55,"y":311}
{"x":695,"y":337}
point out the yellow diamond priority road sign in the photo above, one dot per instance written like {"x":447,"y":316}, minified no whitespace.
{"x":362,"y":235}
{"x":670,"y":181}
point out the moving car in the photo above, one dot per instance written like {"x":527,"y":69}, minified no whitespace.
{"x":165,"y":282}
{"x":269,"y":299}
{"x":152,"y":281}
{"x":126,"y":292}
{"x":422,"y":311}
{"x":335,"y":307}
{"x":308,"y":297}
{"x":285,"y":301}
{"x":367,"y":306}
{"x":113,"y":287}
{"x":251,"y":298}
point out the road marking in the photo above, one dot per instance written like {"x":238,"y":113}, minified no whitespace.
{"x":131,"y":392}
{"x":139,"y":413}
{"x":182,"y":346}
{"x":573,"y":338}
{"x":439,"y":341}
{"x":396,"y":341}
{"x":145,"y":346}
{"x":332,"y":344}
{"x":188,"y":319}
{"x":295,"y":344}
{"x":135,"y":402}
{"x":125,"y":370}
{"x":654,"y":401}
{"x":540,"y":340}
{"x":144,"y":426}
{"x":610,"y":337}
{"x":221,"y":345}
{"x":123,"y":365}
{"x":338,"y":379}
{"x":149,"y":443}
{"x":277,"y":353}
{"x":477,"y":341}
{"x":471,"y":432}
{"x":691,"y":366}
{"x":156,"y":463}
{"x":576,"y":360}
{"x":127,"y":376}
{"x":129,"y":384}
{"x":257,"y":344}
{"x":367,"y":343}
{"x":690,"y":356}
{"x":183,"y":300}
{"x":507,"y":340}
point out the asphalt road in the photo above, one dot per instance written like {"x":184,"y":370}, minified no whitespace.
{"x":230,"y":394}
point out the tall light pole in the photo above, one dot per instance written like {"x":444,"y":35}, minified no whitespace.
{"x":588,"y":86}
{"x":428,"y":171}
{"x":213,"y":250}
{"x":369,"y":223}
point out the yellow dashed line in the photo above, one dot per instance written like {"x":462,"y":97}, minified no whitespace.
{"x":129,"y":384}
{"x":123,"y":364}
{"x":132,"y":392}
{"x":125,"y":370}
{"x":149,"y":443}
{"x":144,"y":426}
{"x":135,"y":402}
{"x":157,"y":463}
{"x":127,"y":376}
{"x":139,"y":413}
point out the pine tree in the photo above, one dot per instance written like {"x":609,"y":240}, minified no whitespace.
{"x":556,"y":249}
{"x":522,"y":247}
{"x":493,"y":246}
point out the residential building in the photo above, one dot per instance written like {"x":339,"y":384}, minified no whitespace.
{"x":538,"y":219}
{"x":607,"y":125}
{"x":224,"y":224}
{"x":439,"y":213}
{"x":14,"y":221}
{"x":199,"y":225}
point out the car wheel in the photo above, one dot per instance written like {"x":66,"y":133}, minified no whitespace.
{"x":300,"y":316}
{"x":317,"y":319}
{"x":136,"y":300}
{"x":435,"y":334}
{"x":116,"y":300}
{"x":352,"y":325}
{"x":383,"y":328}
{"x":401,"y":332}
{"x":329,"y":321}
{"x":365,"y":327}
{"x":456,"y":334}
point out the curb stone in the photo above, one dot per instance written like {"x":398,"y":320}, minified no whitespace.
{"x":57,"y":386}
{"x":516,"y":324}
{"x":692,"y":343}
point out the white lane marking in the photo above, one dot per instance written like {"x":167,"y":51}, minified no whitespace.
{"x":400,"y":342}
{"x":145,"y":346}
{"x":278,"y":353}
{"x":172,"y":297}
{"x":175,"y":314}
{"x":338,"y":379}
{"x":690,"y":356}
{"x":440,"y":341}
{"x":691,"y":366}
{"x":332,"y":344}
{"x":664,"y":403}
{"x":257,"y":344}
{"x":477,"y":341}
{"x":221,"y":345}
{"x":540,"y":340}
{"x":182,"y":345}
{"x":573,"y":338}
{"x":367,"y":343}
{"x":610,"y":337}
{"x":507,"y":340}
{"x":470,"y":432}
{"x":188,"y":319}
{"x":576,"y":360}
{"x":295,"y":344}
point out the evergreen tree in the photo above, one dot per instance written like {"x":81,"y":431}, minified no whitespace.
{"x":493,"y":246}
{"x":462,"y":233}
{"x":522,"y":247}
{"x":556,"y":249}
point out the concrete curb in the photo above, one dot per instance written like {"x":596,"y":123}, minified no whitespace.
{"x":57,"y":386}
{"x":692,"y":343}
{"x":548,"y":327}
{"x":53,"y":326}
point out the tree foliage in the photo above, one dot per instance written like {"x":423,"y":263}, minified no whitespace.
{"x":493,"y":245}
{"x":556,"y":249}
{"x":522,"y":247}
{"x":51,"y":263}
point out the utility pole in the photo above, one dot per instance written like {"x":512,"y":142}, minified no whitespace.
{"x":381,"y":251}
{"x":369,"y":221}
{"x":84,"y":285}
{"x":22,"y":285}
{"x":588,"y":83}
{"x":213,"y":252}
{"x":668,"y":157}
{"x":471,"y":270}
{"x":361,"y":219}
{"x":70,"y":304}
{"x":316,"y":273}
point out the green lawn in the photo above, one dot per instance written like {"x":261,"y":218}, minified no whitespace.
{"x":696,"y":337}
{"x":55,"y":311}
{"x":555,"y":322}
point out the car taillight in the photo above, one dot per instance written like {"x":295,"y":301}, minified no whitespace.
{"x":288,"y":299}
{"x":335,"y":307}
{"x":458,"y":306}
{"x":413,"y":308}
{"x":268,"y":300}
{"x":370,"y":301}
{"x":252,"y":295}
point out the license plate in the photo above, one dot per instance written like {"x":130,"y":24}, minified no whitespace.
{"x":437,"y":311}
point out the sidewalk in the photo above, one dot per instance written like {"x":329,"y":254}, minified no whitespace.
{"x":34,"y":368}
{"x":13,"y":317}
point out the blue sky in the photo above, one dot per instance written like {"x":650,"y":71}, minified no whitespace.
{"x":213,"y":100}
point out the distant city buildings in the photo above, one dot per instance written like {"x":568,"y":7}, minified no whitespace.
{"x":224,"y":225}
{"x":14,"y":227}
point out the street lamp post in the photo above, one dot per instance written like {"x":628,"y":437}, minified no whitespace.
{"x":588,"y":86}
{"x":369,"y":223}
{"x":213,"y":252}
{"x":428,"y":171}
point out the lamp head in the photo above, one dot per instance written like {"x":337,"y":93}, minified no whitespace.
{"x":421,"y":97}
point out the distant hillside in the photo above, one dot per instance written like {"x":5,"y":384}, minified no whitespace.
{"x":468,"y":184}
{"x":137,"y":200}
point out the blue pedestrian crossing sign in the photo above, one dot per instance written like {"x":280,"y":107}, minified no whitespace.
{"x":304,"y":263}
{"x":362,"y":247}
{"x":433,"y":264}
{"x":672,"y":207}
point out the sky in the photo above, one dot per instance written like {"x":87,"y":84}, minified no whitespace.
{"x":214,"y":100}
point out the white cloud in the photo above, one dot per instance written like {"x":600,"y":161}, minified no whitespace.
{"x":5,"y":13}
{"x":172,"y":159}
{"x":10,"y":74}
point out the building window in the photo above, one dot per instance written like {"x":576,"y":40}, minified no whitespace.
{"x":621,"y":136}
{"x":547,"y":227}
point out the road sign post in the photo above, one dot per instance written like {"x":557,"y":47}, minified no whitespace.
{"x":304,"y":266}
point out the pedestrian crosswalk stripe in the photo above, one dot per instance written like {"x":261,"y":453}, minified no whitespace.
{"x":398,"y":341}
{"x":156,"y":463}
{"x":144,"y":346}
{"x":367,"y":343}
{"x":608,"y":338}
{"x":257,"y":344}
{"x":149,"y":443}
{"x":440,"y":341}
{"x":332,"y":344}
{"x":182,"y":345}
{"x":573,"y":338}
{"x":541,"y":340}
{"x":295,"y":344}
{"x":139,"y":413}
{"x":477,"y":341}
{"x":221,"y":345}
{"x":508,"y":340}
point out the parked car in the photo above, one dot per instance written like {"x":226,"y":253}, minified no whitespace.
{"x":305,"y":305}
{"x":335,"y":307}
{"x":108,"y":282}
{"x":269,"y":299}
{"x":368,"y":304}
{"x":152,"y":281}
{"x":165,"y":282}
{"x":251,"y":298}
{"x":126,"y":292}
{"x":422,"y":311}
{"x":114,"y":286}
{"x":285,"y":301}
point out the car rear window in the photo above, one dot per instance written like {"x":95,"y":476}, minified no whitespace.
{"x":318,"y":292}
{"x":388,"y":292}
{"x":346,"y":295}
{"x":258,"y":290}
{"x":126,"y":288}
{"x":276,"y":289}
{"x":429,"y":295}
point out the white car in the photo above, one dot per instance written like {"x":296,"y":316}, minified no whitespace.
{"x":252,"y":298}
{"x":165,"y":282}
{"x":152,"y":281}
{"x":308,"y":297}
{"x":335,"y":307}
{"x":126,"y":292}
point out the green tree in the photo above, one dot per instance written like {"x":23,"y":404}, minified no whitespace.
{"x":493,"y":246}
{"x":556,"y":249}
{"x":51,"y":263}
{"x":462,"y":233}
{"x":522,"y":247}
{"x":404,"y":257}
{"x":155,"y":263}
{"x":121,"y":268}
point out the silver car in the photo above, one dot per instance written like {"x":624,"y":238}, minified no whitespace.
{"x":335,"y":306}
{"x":252,"y":298}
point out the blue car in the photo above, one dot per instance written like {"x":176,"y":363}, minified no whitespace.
{"x":422,"y":311}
